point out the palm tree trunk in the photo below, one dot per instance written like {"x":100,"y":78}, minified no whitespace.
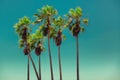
{"x":50,"y":58}
{"x":77,"y":57}
{"x":28,"y":70}
{"x":60,"y":67}
{"x":34,"y":66}
{"x":39,"y":62}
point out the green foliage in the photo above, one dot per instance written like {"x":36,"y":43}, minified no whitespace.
{"x":42,"y":15}
{"x":75,"y":13}
{"x":68,"y":22}
{"x":82,"y":29}
{"x":53,"y":32}
{"x":85,"y":21}
{"x":63,"y":37}
{"x":72,"y":13}
{"x":59,"y":23}
{"x":48,"y":10}
{"x":35,"y":38}
{"x":23,"y":22}
{"x":74,"y":16}
{"x":78,"y":12}
{"x":59,"y":26}
{"x":19,"y":28}
{"x":21,"y":43}
{"x":72,"y":26}
{"x":44,"y":12}
{"x":56,"y":25}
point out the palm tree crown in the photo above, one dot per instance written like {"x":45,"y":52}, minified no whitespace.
{"x":23,"y":30}
{"x":44,"y":12}
{"x":76,"y":20}
{"x":58,"y":29}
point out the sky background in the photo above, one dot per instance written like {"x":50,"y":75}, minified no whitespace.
{"x":99,"y":44}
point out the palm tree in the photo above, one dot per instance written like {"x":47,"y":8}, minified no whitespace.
{"x":38,"y":51}
{"x":23,"y":30}
{"x":74,"y":25}
{"x":37,"y":39}
{"x":58,"y":36}
{"x":47,"y":15}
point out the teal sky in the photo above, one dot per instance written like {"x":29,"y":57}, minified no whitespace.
{"x":99,"y":44}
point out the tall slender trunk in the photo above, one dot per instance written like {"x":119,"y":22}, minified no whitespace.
{"x":28,"y":65}
{"x":59,"y":59}
{"x":34,"y":66}
{"x":50,"y":57}
{"x":28,"y":70}
{"x":77,"y":57}
{"x":39,"y":62}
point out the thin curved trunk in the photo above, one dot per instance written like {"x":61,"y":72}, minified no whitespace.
{"x":28,"y":70}
{"x":50,"y":57}
{"x":28,"y":65}
{"x":59,"y":59}
{"x":39,"y":62}
{"x":77,"y":57}
{"x":34,"y":66}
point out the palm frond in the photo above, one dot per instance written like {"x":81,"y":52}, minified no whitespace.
{"x":85,"y":21}
{"x":82,"y":29}
{"x":78,"y":11}
{"x":68,"y":23}
{"x":21,"y":43}
{"x":63,"y":37}
{"x":36,"y":15}
{"x":72,"y":12}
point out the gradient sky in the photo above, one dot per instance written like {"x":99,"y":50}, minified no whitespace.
{"x":99,"y":44}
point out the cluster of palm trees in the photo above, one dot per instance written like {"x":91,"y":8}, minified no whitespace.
{"x":51,"y":26}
